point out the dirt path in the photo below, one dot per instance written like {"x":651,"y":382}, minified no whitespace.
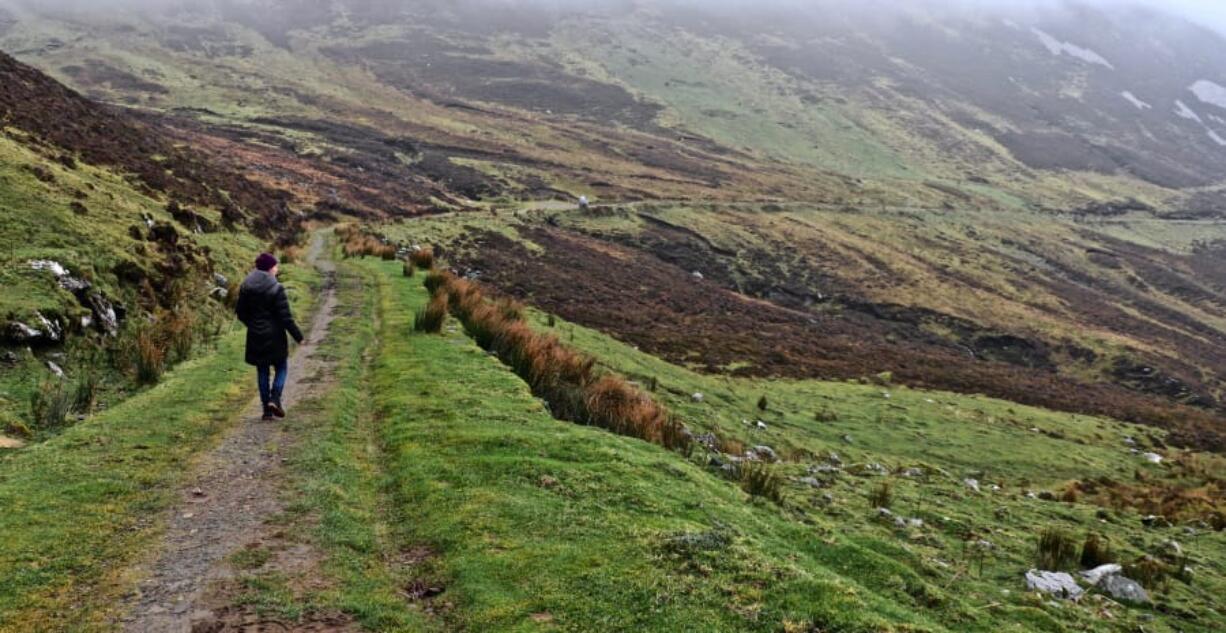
{"x":232,"y":492}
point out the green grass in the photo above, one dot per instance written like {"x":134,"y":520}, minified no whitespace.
{"x":952,"y":437}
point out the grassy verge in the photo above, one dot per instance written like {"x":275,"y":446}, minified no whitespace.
{"x":81,"y":507}
{"x":338,"y":480}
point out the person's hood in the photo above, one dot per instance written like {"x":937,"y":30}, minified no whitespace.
{"x":260,"y":282}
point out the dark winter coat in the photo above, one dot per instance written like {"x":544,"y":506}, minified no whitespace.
{"x":264,"y":309}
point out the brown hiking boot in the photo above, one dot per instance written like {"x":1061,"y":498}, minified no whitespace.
{"x":277,"y":409}
{"x":269,"y":414}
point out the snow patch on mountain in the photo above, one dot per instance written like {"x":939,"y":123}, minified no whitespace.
{"x":1184,"y":112}
{"x":1056,"y":47}
{"x":1131,"y":98}
{"x":1217,"y":138}
{"x":1209,"y":92}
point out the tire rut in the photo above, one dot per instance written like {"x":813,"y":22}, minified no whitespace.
{"x":231,"y":493}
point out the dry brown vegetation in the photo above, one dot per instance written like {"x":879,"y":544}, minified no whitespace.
{"x":357,"y":243}
{"x":423,"y":258}
{"x":564,"y":378}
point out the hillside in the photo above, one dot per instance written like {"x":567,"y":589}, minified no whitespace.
{"x":878,"y":310}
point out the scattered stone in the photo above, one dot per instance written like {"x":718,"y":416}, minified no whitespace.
{"x":1093,"y":576}
{"x":697,"y":275}
{"x":708,"y":440}
{"x":913,"y":472}
{"x":824,"y":469}
{"x":9,"y":357}
{"x":221,"y":280}
{"x":847,"y":439}
{"x":1055,"y":583}
{"x":973,"y":484}
{"x":55,"y":369}
{"x":54,"y":267}
{"x":765,"y":453}
{"x":834,"y":460}
{"x":1129,"y":441}
{"x":1172,"y":550}
{"x":1123,"y":589}
{"x":812,"y":482}
{"x":697,"y":397}
{"x":1152,"y":458}
{"x":761,"y":425}
{"x":1155,"y":521}
{"x":915,"y":523}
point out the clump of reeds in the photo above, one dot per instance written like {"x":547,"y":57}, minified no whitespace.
{"x":430,"y":319}
{"x":1056,"y":550}
{"x":423,"y":258}
{"x":564,"y":378}
{"x":760,"y":480}
{"x":1096,"y":551}
{"x":881,"y":496}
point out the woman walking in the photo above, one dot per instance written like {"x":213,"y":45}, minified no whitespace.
{"x":264,"y":308}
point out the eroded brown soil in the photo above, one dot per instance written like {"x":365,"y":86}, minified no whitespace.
{"x":665,"y":310}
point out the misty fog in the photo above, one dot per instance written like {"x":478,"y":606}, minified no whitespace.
{"x":1210,"y":13}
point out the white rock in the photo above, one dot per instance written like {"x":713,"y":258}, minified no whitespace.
{"x":1056,"y":583}
{"x":697,"y":275}
{"x":1152,"y":458}
{"x":1092,"y":576}
{"x":696,"y":397}
{"x":761,"y":425}
{"x":56,"y":268}
{"x":973,"y":484}
{"x":55,"y":369}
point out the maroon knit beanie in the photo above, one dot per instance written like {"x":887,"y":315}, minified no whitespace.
{"x":265,"y":262}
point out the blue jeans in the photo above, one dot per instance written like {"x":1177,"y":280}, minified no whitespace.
{"x":272,"y":393}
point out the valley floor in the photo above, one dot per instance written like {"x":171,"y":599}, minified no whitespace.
{"x":425,"y":488}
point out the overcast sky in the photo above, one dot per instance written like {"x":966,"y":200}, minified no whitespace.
{"x":1208,"y":12}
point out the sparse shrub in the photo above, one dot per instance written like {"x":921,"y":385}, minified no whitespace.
{"x":50,"y":405}
{"x":763,"y":405}
{"x":729,"y":446}
{"x":1070,"y":495}
{"x":410,"y":269}
{"x":387,"y":252}
{"x":178,"y":329}
{"x":1096,"y":551}
{"x":145,"y":355}
{"x":551,"y":321}
{"x":826,"y":415}
{"x":430,"y":319}
{"x":510,"y":309}
{"x":437,"y":280}
{"x":291,"y":254}
{"x":423,"y":259}
{"x":1056,"y":550}
{"x":760,"y":480}
{"x":653,"y":384}
{"x":1149,"y":571}
{"x":85,"y":395}
{"x":881,"y":496}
